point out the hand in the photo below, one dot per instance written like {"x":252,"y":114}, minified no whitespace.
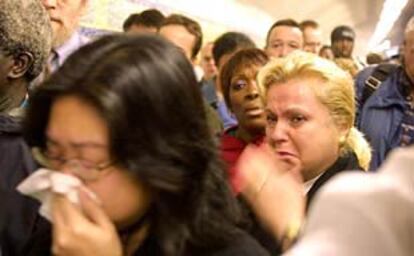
{"x":84,"y":230}
{"x":272,"y":187}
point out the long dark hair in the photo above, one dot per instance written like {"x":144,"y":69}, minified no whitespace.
{"x":146,"y":91}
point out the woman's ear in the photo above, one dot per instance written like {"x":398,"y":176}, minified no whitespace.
{"x":21,"y":64}
{"x":343,"y":130}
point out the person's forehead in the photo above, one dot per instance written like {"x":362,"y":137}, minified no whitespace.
{"x":175,"y":30}
{"x":180,"y":36}
{"x":309,"y":31}
{"x":285,"y":32}
{"x":342,"y":41}
{"x":207,"y":50}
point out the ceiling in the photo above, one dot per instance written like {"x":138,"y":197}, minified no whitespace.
{"x":361,"y":15}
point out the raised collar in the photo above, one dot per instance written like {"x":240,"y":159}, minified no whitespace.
{"x":75,"y":42}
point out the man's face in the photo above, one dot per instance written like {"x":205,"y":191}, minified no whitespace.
{"x":408,"y":53}
{"x":283,"y":40}
{"x":312,"y":40}
{"x":342,"y":48}
{"x":179,"y":36}
{"x":207,"y":61}
{"x":64,"y":16}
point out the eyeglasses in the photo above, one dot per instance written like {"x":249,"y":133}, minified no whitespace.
{"x":84,"y":169}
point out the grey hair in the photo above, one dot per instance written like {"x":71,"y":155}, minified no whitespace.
{"x":410,"y":25}
{"x":25,"y":27}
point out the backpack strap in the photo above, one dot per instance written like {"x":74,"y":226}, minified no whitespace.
{"x":376,"y":78}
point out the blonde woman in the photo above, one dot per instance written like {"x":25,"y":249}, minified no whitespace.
{"x":310,"y":112}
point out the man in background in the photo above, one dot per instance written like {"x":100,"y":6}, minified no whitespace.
{"x":284,"y":36}
{"x":387,"y":115}
{"x":65,"y":17}
{"x":312,"y":36}
{"x":187,"y":35}
{"x":342,"y":41}
{"x":25,"y":44}
{"x":24,"y":47}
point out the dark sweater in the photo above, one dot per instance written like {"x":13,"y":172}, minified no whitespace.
{"x":17,"y":212}
{"x":241,"y":245}
{"x":348,"y":162}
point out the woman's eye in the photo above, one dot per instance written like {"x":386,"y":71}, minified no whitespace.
{"x":87,"y":164}
{"x":297,"y":119}
{"x":271,"y":120}
{"x":52,"y":151}
{"x":276,"y":45}
{"x":238,"y":85}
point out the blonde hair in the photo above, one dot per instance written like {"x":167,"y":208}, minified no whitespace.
{"x":336,"y":93}
{"x":347,"y":65}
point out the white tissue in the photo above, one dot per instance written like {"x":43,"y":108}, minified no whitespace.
{"x":43,"y":183}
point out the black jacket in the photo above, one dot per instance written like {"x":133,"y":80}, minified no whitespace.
{"x":348,"y":162}
{"x":17,"y":212}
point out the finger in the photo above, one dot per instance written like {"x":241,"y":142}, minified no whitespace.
{"x":93,"y":210}
{"x":60,"y":226}
{"x":57,"y":209}
{"x":65,"y":210}
{"x":254,"y":166}
{"x":58,"y":219}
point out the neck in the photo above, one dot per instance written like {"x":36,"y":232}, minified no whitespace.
{"x":13,"y":96}
{"x":249,"y":135}
{"x":134,"y":240}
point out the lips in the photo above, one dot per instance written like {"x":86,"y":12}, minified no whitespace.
{"x":254,"y":111}
{"x":285,"y":154}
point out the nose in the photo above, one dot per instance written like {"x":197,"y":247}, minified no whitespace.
{"x":252,"y":91}
{"x":71,"y":167}
{"x":49,"y":3}
{"x":277,"y":134}
{"x":285,"y":51}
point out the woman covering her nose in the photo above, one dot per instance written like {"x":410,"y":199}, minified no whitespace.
{"x":125,"y":116}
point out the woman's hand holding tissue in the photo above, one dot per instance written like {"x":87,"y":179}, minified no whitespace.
{"x":82,"y":230}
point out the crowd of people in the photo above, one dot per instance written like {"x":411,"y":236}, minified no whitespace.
{"x":118,"y":146}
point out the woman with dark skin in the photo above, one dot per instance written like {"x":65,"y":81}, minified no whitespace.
{"x":242,"y":96}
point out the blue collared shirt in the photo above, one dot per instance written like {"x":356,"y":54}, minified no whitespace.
{"x":64,"y":51}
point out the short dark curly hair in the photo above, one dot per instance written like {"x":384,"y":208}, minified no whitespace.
{"x":230,"y":42}
{"x":147,"y":18}
{"x":25,"y":27}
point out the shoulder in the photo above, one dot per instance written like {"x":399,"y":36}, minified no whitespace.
{"x":230,"y":143}
{"x":9,"y":124}
{"x":16,"y":161}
